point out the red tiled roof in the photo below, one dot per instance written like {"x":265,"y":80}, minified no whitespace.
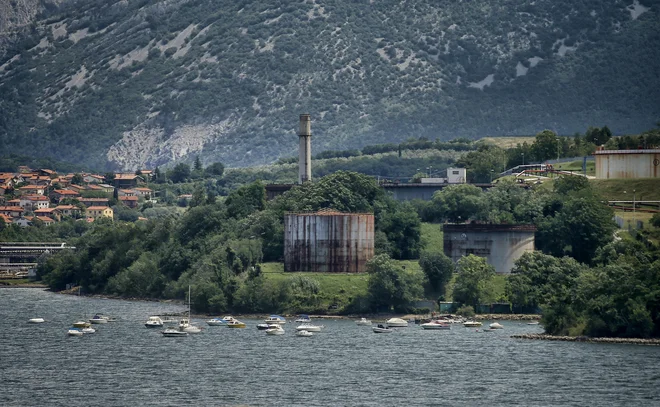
{"x":65,"y":192}
{"x":97,"y":208}
{"x":128,"y":198}
{"x":125,"y":176}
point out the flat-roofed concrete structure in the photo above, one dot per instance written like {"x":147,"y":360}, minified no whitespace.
{"x":500,"y":244}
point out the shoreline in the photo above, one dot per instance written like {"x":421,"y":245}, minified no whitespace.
{"x":632,"y":341}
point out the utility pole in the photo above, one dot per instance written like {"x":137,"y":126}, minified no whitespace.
{"x":523,"y":158}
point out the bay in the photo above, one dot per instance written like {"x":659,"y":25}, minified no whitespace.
{"x":126,"y":364}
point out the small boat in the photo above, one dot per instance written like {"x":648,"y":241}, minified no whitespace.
{"x":74,"y":332}
{"x":186,"y":326}
{"x":471,"y":324}
{"x":310,"y":328}
{"x":380,"y":329}
{"x":397,"y":323}
{"x":88,"y":330}
{"x":81,"y":324}
{"x":154,"y":322}
{"x":496,"y":325}
{"x":236,"y":324}
{"x":275,"y":319}
{"x":436,"y":324}
{"x":263,"y":327}
{"x":171,"y":332}
{"x":363,"y":322}
{"x":276,"y":330}
{"x":216,"y":322}
{"x":98,"y":319}
{"x":304,"y":333}
{"x":533,"y":323}
{"x":36,"y":320}
{"x":304,"y":318}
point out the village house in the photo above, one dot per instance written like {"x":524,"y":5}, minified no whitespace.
{"x":109,"y":189}
{"x":130,"y":201}
{"x":145,"y":174}
{"x":22,"y":221}
{"x":93,"y":187}
{"x":126,"y":192}
{"x":94,"y":201}
{"x":5,"y":218}
{"x":125,"y":180}
{"x":12,"y":211}
{"x":46,"y":172}
{"x":143,"y":192}
{"x":45,"y":219}
{"x":93,"y":178}
{"x":76,"y":188}
{"x":96,"y":212}
{"x":59,"y":194}
{"x":14,"y":202}
{"x":69,"y":210}
{"x":53,"y":213}
{"x":39,"y":180}
{"x":32,"y":190}
{"x":33,"y":202}
{"x":8,"y":179}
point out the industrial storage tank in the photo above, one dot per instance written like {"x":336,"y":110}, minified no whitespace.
{"x":627,"y":163}
{"x":500,"y":244}
{"x":328,"y":241}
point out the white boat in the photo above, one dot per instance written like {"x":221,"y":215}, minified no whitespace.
{"x":304,"y":333}
{"x":397,"y":323}
{"x":236,"y":324}
{"x":304,"y":319}
{"x":363,"y":322}
{"x":74,"y":332}
{"x":472,"y":324}
{"x":36,"y":320}
{"x":216,"y":322}
{"x":496,"y":325}
{"x":533,"y":323}
{"x":380,"y":329}
{"x":88,"y":330}
{"x":154,"y":322}
{"x":275,"y":319}
{"x":277,"y":330}
{"x":171,"y":332}
{"x":263,"y":327}
{"x":185,"y":325}
{"x":81,"y":324}
{"x":436,"y":324}
{"x":310,"y":328}
{"x":98,"y":319}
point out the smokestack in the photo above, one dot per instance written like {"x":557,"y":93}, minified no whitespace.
{"x":305,"y":149}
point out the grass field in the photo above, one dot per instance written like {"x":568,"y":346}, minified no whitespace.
{"x":508,"y":142}
{"x":576,"y":166}
{"x":432,"y":237}
{"x":646,"y":189}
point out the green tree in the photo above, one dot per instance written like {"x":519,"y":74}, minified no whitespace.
{"x":77,"y":179}
{"x":438,"y":269}
{"x":473,"y":285}
{"x":390,"y":286}
{"x":546,"y":146}
{"x":483,"y":163}
{"x":246,"y":200}
{"x":198,"y":164}
{"x":402,"y":227}
{"x":179,"y":173}
{"x":198,"y":197}
{"x":215,"y":170}
{"x":458,"y":203}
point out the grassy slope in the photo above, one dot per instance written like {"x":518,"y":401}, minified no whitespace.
{"x":342,"y":287}
{"x":647,"y":189}
{"x":508,"y":142}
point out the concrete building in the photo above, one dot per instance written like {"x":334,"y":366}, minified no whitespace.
{"x":305,"y":149}
{"x":96,"y":212}
{"x":328,"y":241}
{"x":500,"y":244}
{"x":613,"y":164}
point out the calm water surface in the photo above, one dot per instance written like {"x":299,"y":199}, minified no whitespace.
{"x":126,"y":364}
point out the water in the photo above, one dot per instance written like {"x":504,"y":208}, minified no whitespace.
{"x":126,"y":364}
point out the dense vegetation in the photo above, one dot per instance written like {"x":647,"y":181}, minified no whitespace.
{"x":227,"y":80}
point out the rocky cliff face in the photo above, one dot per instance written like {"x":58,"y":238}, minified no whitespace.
{"x":129,"y":84}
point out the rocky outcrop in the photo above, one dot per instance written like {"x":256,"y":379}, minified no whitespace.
{"x":545,"y":337}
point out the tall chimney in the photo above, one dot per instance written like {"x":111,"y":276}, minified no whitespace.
{"x":305,"y":149}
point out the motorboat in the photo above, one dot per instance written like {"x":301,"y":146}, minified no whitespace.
{"x":89,"y":330}
{"x":275,"y":319}
{"x":436,"y":324}
{"x":381,"y":329}
{"x":363,"y":322}
{"x":216,"y":322}
{"x":263,"y":327}
{"x":310,"y":328}
{"x":186,"y":326}
{"x":304,"y":333}
{"x":98,"y":319}
{"x":236,"y":324}
{"x":171,"y":332}
{"x":496,"y":325}
{"x":304,"y":319}
{"x":81,"y":324}
{"x":533,"y":323}
{"x":36,"y":320}
{"x":74,"y":332}
{"x":472,"y":324}
{"x":276,"y":330}
{"x":154,"y":322}
{"x":397,"y":323}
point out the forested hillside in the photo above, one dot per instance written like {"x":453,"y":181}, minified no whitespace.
{"x":141,"y":83}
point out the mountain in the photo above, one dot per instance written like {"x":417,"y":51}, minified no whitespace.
{"x":141,"y":83}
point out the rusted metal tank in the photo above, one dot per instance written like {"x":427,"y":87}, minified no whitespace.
{"x":328,"y":241}
{"x":627,"y":163}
